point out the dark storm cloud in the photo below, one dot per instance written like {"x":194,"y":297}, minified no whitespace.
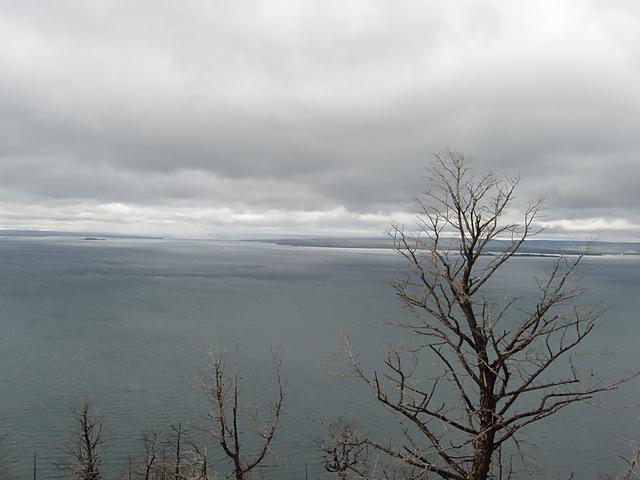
{"x":311,"y":115}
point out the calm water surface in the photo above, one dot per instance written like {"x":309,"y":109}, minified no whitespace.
{"x":127,"y":324}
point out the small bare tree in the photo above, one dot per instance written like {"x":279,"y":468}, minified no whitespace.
{"x":176,"y":442}
{"x":631,"y":472}
{"x":494,"y":363}
{"x":4,"y":455}
{"x":83,"y":457}
{"x":224,"y":395}
{"x":150,"y":464}
{"x":199,"y":463}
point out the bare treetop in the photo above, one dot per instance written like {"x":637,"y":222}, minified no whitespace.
{"x":472,"y":210}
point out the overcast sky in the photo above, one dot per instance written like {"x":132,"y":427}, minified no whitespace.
{"x":241,"y":118}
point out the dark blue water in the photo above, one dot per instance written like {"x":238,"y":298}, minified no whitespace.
{"x":127,"y":324}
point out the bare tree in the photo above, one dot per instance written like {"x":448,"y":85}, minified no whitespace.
{"x":176,"y":442}
{"x":4,"y":455}
{"x":83,"y":460}
{"x":493,"y":359}
{"x":224,"y":395}
{"x":199,"y":463}
{"x":631,"y":472}
{"x":150,"y":464}
{"x":184,"y":462}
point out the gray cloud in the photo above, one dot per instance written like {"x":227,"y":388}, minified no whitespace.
{"x":306,"y":116}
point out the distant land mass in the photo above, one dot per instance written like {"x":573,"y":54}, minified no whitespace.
{"x":529,"y":247}
{"x":83,"y":235}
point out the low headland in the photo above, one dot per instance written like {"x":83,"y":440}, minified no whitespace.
{"x":529,"y":247}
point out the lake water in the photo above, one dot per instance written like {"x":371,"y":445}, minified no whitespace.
{"x":127,"y":324}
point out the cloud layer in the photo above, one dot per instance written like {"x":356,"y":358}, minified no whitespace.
{"x":247,"y":117}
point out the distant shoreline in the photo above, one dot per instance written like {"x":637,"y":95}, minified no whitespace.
{"x":81,"y":235}
{"x":531,"y":248}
